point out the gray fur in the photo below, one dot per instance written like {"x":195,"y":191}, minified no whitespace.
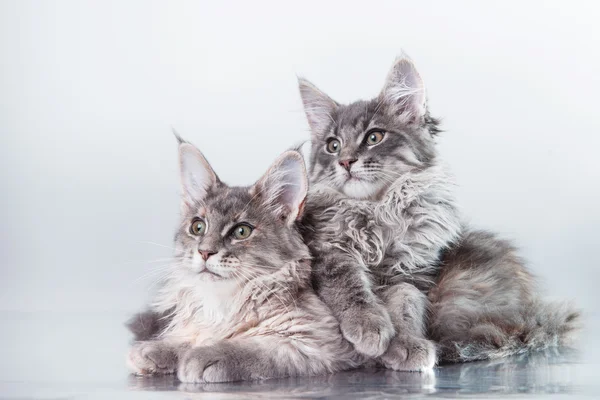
{"x":389,"y":226}
{"x":484,"y":304}
{"x":248,"y":311}
{"x":148,"y":324}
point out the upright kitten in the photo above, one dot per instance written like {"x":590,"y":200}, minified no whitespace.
{"x":238,"y":303}
{"x":391,"y":255}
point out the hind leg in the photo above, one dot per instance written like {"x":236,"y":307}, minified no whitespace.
{"x":408,"y":350}
{"x":494,"y":321}
{"x":479,"y":304}
{"x":471,"y":320}
{"x":478,"y":314}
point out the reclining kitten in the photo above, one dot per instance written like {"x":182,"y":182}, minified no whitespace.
{"x":392,"y":258}
{"x":238,"y":303}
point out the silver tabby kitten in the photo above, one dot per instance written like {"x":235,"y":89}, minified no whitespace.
{"x":392,"y":257}
{"x":238,"y":303}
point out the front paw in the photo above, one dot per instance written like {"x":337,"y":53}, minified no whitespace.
{"x":208,"y":365}
{"x":368,"y":329}
{"x":408,"y":353}
{"x":153,"y":357}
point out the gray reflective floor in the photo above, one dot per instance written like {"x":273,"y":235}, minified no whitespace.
{"x":61,"y":355}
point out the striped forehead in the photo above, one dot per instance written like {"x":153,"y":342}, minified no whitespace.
{"x":355,"y":118}
{"x":227,"y":203}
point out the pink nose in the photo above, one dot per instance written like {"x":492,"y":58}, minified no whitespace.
{"x":206,"y":254}
{"x":347,"y":164}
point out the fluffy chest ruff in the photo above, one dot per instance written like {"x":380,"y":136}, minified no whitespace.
{"x":280,"y":305}
{"x":401,"y":234}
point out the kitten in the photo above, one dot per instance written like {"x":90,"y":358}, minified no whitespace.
{"x":392,"y":258}
{"x":238,"y":303}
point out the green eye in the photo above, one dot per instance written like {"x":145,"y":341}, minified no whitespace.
{"x":374,"y":137}
{"x":333,"y":146}
{"x":242,"y":231}
{"x":198,"y":227}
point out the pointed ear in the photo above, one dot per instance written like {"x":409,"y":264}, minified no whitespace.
{"x":197,"y":177}
{"x":404,"y":89}
{"x":283,"y":188}
{"x":319,"y":107}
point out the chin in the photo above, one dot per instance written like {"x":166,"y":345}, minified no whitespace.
{"x":206,"y":276}
{"x":213,"y":283}
{"x":209,"y":277}
{"x":362,"y":190}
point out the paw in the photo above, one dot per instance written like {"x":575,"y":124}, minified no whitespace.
{"x":207,"y":365}
{"x":148,"y":358}
{"x":369,"y":330}
{"x":407,"y":353}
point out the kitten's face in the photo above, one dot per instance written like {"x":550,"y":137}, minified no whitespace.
{"x":361,"y":148}
{"x":235,"y":234}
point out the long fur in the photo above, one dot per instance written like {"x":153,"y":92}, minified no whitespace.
{"x":248,"y":311}
{"x":485,"y":304}
{"x":392,"y":220}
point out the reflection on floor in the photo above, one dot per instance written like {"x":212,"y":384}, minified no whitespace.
{"x":542,"y":373}
{"x":65,"y":355}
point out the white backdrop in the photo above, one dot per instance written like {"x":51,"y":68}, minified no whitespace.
{"x":89,"y":92}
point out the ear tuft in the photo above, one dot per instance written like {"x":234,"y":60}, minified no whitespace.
{"x":178,"y":137}
{"x":405,"y":89}
{"x":197,"y":177}
{"x":319,"y":107}
{"x":284,"y":186}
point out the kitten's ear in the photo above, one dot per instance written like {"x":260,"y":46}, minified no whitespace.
{"x":319,"y":107}
{"x":284,"y":186}
{"x":197,"y":177}
{"x":404,"y":89}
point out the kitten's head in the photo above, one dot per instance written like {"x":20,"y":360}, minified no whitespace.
{"x":235,"y":234}
{"x":361,"y":148}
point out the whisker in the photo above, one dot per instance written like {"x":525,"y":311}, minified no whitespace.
{"x":157,"y":244}
{"x":270,"y":291}
{"x":157,"y":260}
{"x":158,"y":271}
{"x":253,"y":280}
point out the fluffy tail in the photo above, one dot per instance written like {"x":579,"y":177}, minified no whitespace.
{"x":543,"y":325}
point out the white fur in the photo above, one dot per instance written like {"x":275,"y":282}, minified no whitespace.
{"x":360,"y":188}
